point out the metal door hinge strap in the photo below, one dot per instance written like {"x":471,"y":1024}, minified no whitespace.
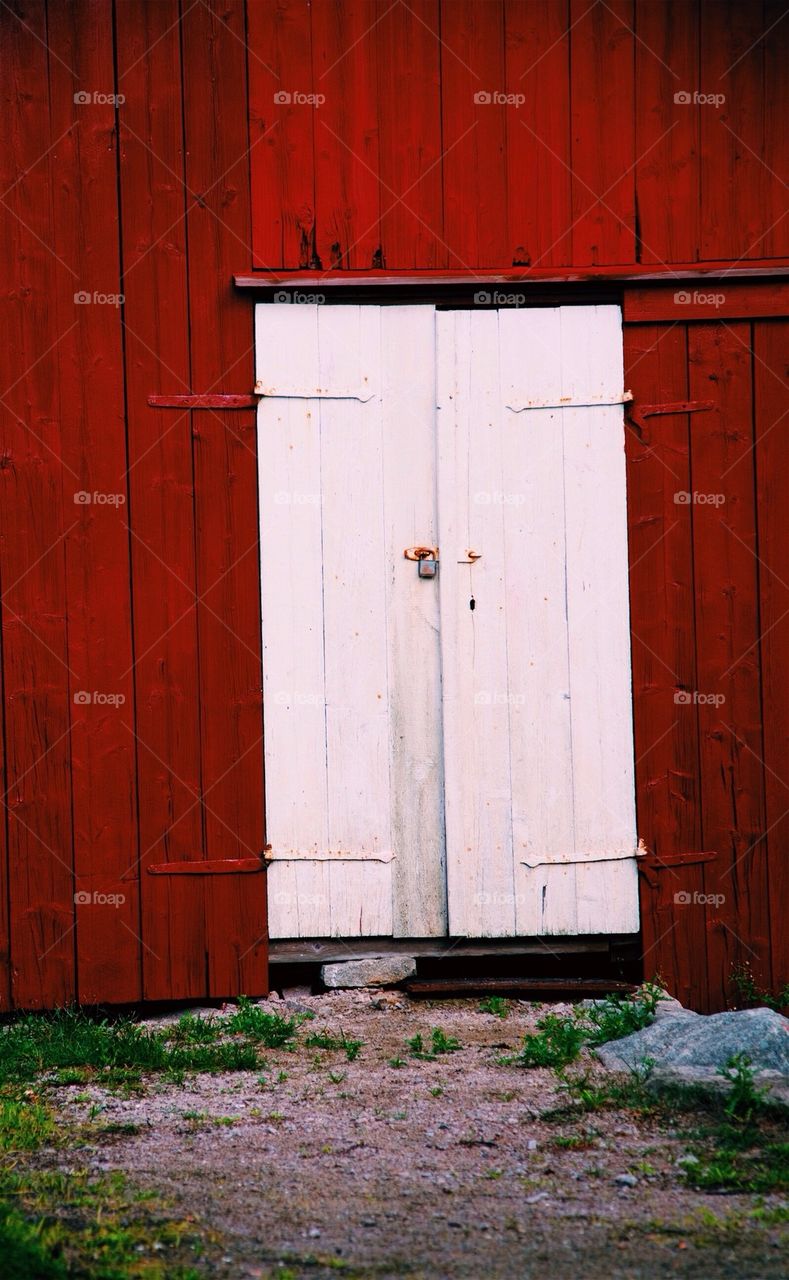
{"x":650,"y":865}
{"x":211,"y":867}
{"x":204,"y":402}
{"x":567,"y":402}
{"x":637,"y":415}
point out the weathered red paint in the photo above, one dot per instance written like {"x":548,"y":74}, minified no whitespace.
{"x":597,"y":174}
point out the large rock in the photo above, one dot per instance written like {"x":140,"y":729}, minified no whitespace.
{"x":681,"y":1039}
{"x":373,"y":971}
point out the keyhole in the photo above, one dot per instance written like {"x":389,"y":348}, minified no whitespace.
{"x":472,"y":604}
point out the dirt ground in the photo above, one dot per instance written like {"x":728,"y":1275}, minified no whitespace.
{"x":432,"y":1169}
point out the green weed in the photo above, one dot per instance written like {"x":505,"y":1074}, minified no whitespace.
{"x":496,"y":1005}
{"x":324,"y":1040}
{"x":440,"y":1043}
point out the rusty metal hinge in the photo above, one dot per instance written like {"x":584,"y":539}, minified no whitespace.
{"x":210,"y":867}
{"x":204,"y":402}
{"x":652,"y":863}
{"x":639,"y":413}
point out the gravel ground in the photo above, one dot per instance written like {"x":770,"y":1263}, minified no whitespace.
{"x":437,"y":1169}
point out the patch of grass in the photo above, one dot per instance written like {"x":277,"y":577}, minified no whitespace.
{"x":325,"y":1040}
{"x":556,"y":1043}
{"x":744,"y":1100}
{"x":25,"y":1123}
{"x":440,"y":1043}
{"x":496,"y":1005}
{"x":191,"y":1030}
{"x":559,"y":1039}
{"x":573,"y":1142}
{"x":70,"y":1039}
{"x":269,"y":1029}
{"x":763,"y":1169}
{"x":397,"y":1062}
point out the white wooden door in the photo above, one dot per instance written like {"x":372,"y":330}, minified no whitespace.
{"x":451,"y":754}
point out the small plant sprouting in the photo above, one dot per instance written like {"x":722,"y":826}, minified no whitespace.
{"x":440,"y":1043}
{"x":751,"y":994}
{"x":744,"y":1101}
{"x":496,"y":1005}
{"x":324,"y":1040}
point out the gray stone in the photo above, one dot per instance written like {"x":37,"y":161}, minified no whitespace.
{"x":663,"y":1079}
{"x":626,"y":1180}
{"x":373,"y":971}
{"x":696,"y":1041}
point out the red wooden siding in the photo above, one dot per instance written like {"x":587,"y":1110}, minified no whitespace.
{"x":623,"y":132}
{"x":709,"y":564}
{"x":150,"y":599}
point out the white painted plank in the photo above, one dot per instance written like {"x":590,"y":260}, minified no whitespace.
{"x":538,"y":661}
{"x":412,"y":609}
{"x":473,"y":641}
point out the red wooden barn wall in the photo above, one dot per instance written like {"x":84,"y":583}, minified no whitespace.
{"x":204,"y":170}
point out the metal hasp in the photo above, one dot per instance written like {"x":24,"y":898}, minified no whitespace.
{"x":638,"y":414}
{"x":426,"y":559}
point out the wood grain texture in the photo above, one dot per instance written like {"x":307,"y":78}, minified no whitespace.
{"x":662,"y":588}
{"x":727,"y":656}
{"x":97,"y":558}
{"x":667,"y":130}
{"x":539,"y":165}
{"x":771,"y":406}
{"x":161,"y":498}
{"x":603,"y":138}
{"x":225,"y":488}
{"x":33,"y":522}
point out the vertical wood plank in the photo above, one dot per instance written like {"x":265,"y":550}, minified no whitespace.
{"x":281,"y":134}
{"x":727,"y":657}
{"x":775,"y":220}
{"x":347,"y":190}
{"x":538,"y":138}
{"x":90,"y":363}
{"x":225,"y":479}
{"x":668,"y":784}
{"x":33,"y":522}
{"x":735,"y":184}
{"x":408,"y":409}
{"x":475,"y":124}
{"x":533,"y":503}
{"x":771,"y":406}
{"x":475,"y":688}
{"x":667,"y":130}
{"x":161,"y":511}
{"x":603,"y":140}
{"x":409,"y":110}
